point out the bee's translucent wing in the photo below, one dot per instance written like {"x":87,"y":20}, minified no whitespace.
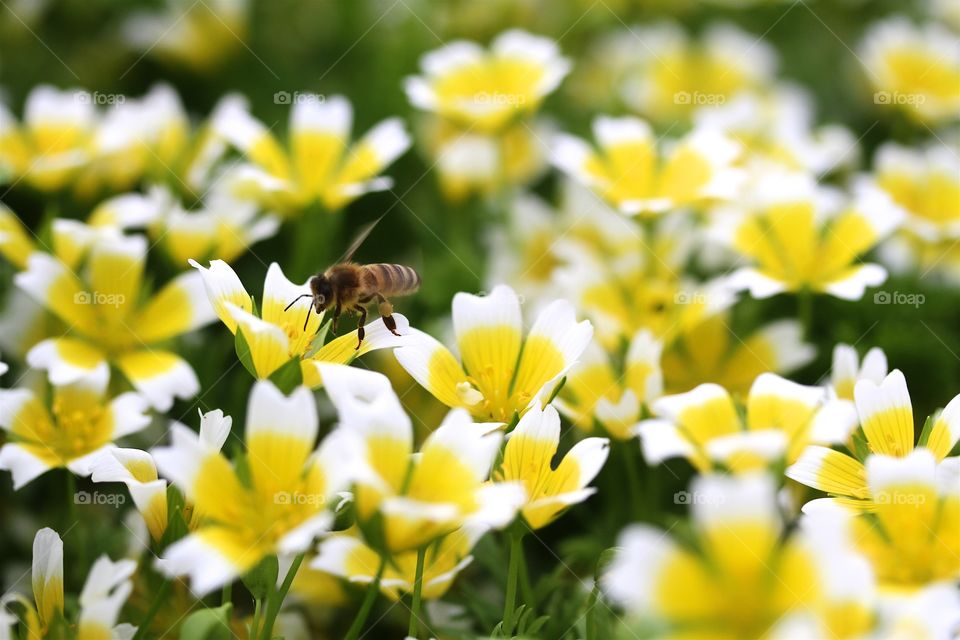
{"x":358,"y":240}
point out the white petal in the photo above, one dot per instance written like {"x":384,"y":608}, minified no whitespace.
{"x":498,"y":505}
{"x":269,"y":411}
{"x":632,"y":576}
{"x":590,"y":455}
{"x":366,"y":402}
{"x":916,"y":469}
{"x":474,"y":445}
{"x":206,"y":566}
{"x":222,"y":285}
{"x":388,"y":139}
{"x":47,"y":567}
{"x":500,"y":308}
{"x":834,"y":422}
{"x":610,"y":132}
{"x":719,"y":499}
{"x":662,"y":440}
{"x":47,"y":355}
{"x":759,"y":285}
{"x":332,"y":115}
{"x":302,"y":536}
{"x":853,"y":286}
{"x":214,"y":429}
{"x":22,"y":464}
{"x":770,"y":384}
{"x":130,"y":414}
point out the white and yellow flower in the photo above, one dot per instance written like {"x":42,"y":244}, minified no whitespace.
{"x":801,"y":237}
{"x":915,"y":69}
{"x":779,"y":126}
{"x":81,"y":422}
{"x":278,"y":505}
{"x":400,"y":504}
{"x":55,"y":139}
{"x":673,"y":75}
{"x":528,"y":458}
{"x":110,"y":321}
{"x":886,"y":419}
{"x":710,"y":351}
{"x":500,"y":371}
{"x":925,"y":185}
{"x":597,"y":393}
{"x":104,"y":593}
{"x":135,"y":137}
{"x":847,"y":369}
{"x":137,"y":470}
{"x":632,"y":171}
{"x":911,"y":534}
{"x":319,"y":164}
{"x":472,"y":162}
{"x":486,"y":90}
{"x":746,"y":578}
{"x":639,"y":282}
{"x":345,"y":555}
{"x":278,"y":334}
{"x":200,"y":36}
{"x":538,"y":241}
{"x":780,"y":419}
{"x":223,"y":228}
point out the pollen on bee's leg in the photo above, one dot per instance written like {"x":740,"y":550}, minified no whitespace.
{"x":386,"y":311}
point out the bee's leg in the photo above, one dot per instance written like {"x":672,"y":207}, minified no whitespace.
{"x":360,"y":322}
{"x":386,"y":312}
{"x":336,"y":317}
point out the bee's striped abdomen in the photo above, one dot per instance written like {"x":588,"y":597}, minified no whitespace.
{"x":394,"y":279}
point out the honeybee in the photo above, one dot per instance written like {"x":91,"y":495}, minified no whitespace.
{"x":349,"y":286}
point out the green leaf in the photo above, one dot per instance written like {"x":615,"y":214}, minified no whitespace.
{"x":208,"y":624}
{"x":288,"y":377}
{"x":556,"y":390}
{"x":243,"y":352}
{"x":860,"y":447}
{"x":927,"y":428}
{"x":262,"y":579}
{"x":318,"y":340}
{"x":176,"y":519}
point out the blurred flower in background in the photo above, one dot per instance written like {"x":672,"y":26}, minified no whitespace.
{"x":481,"y":134}
{"x":320,"y":164}
{"x":915,"y":70}
{"x":81,"y":422}
{"x":198,"y":35}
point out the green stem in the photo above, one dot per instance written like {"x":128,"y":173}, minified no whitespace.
{"x":805,"y":311}
{"x":152,"y":611}
{"x":255,"y":624}
{"x":227,"y":594}
{"x":71,"y":498}
{"x":367,"y":605}
{"x":633,"y":479}
{"x":513,"y":571}
{"x":276,"y":597}
{"x":414,"y":626}
{"x":316,"y":243}
{"x":526,"y":589}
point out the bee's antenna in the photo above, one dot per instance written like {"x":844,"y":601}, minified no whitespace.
{"x":306,"y":320}
{"x":305,"y":295}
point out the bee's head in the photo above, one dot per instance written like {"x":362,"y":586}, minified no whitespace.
{"x":322,"y":292}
